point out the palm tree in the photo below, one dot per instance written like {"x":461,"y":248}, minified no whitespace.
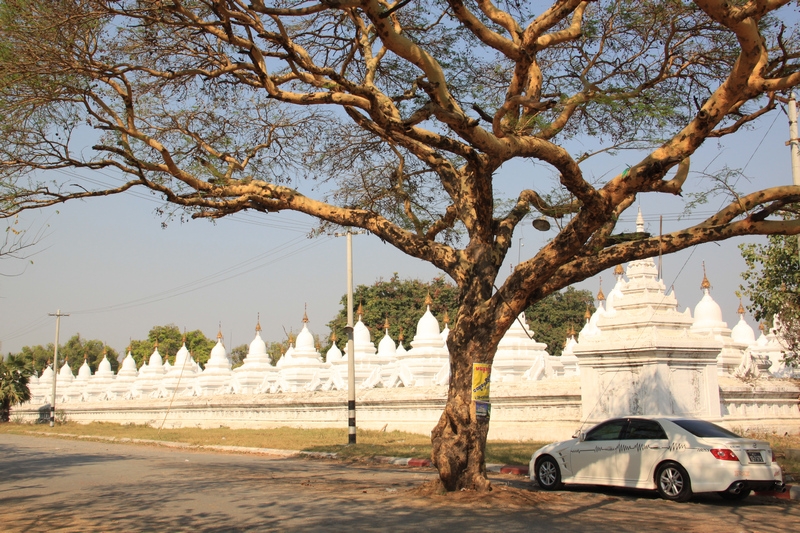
{"x":15,"y":374}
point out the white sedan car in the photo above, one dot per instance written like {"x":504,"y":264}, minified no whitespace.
{"x":676,"y":457}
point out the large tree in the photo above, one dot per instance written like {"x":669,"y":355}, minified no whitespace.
{"x":397,"y":117}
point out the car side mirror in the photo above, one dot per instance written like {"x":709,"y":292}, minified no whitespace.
{"x":580,"y":435}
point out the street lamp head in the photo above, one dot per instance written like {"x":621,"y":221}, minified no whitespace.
{"x":541,"y":224}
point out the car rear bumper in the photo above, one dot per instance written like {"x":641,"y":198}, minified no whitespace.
{"x":758,"y":486}
{"x":725,"y":476}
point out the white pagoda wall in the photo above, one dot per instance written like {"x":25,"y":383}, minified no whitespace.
{"x":545,"y":410}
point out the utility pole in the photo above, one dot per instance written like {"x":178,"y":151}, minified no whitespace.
{"x":794,"y":141}
{"x":58,"y":316}
{"x":351,"y":351}
{"x":794,"y":146}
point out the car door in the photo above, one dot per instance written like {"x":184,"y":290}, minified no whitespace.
{"x":593,"y":459}
{"x":642,"y":445}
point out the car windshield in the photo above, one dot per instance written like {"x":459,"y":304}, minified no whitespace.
{"x":701,"y":428}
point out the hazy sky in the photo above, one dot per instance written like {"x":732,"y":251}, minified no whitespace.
{"x":109,"y":264}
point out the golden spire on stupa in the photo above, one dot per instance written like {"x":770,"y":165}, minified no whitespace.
{"x":705,"y":284}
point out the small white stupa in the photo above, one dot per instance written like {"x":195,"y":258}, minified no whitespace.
{"x":770,"y":347}
{"x":568,"y":359}
{"x":708,"y":320}
{"x":368,"y":362}
{"x":64,"y":389}
{"x":255,"y":368}
{"x":148,"y":382}
{"x":336,"y":371}
{"x":302,"y":369}
{"x":181,"y":377}
{"x":102,"y":380}
{"x":216,"y":375}
{"x":387,"y":356}
{"x":518,"y":354}
{"x":81,"y":384}
{"x":43,"y":389}
{"x":126,"y":377}
{"x":428,"y":361}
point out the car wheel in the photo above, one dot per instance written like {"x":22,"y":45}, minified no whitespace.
{"x":673,"y":482}
{"x":548,"y":476}
{"x":735,"y":494}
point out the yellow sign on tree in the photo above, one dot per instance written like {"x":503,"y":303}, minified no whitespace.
{"x":480,"y":381}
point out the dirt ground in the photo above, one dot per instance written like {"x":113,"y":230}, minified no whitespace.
{"x":71,"y":485}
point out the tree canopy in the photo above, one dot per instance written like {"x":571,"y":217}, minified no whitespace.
{"x":169,"y":340}
{"x":557,"y":316}
{"x":400,"y":302}
{"x":74,"y":351}
{"x":398,"y":118}
{"x":772,"y":283}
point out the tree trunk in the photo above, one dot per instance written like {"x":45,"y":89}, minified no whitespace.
{"x":459,"y":438}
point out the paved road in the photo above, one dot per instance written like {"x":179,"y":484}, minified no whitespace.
{"x":69,"y":485}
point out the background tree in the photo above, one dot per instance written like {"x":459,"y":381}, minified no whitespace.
{"x":39,"y":356}
{"x":772,"y":284}
{"x":276,"y":349}
{"x":72,"y":351}
{"x":396,"y":118}
{"x":401,"y":301}
{"x":555,"y":316}
{"x":15,"y":372}
{"x":170,"y":340}
{"x":77,"y":348}
{"x":238,"y":354}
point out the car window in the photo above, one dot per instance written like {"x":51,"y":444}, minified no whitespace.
{"x":701,"y":428}
{"x":645,"y":429}
{"x":610,"y":430}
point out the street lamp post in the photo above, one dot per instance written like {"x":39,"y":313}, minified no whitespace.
{"x":351,"y":365}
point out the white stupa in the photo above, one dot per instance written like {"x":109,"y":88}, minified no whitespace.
{"x":42,"y":391}
{"x":126,"y":377}
{"x":44,"y":388}
{"x":81,"y":384}
{"x":256,"y":366}
{"x":302,"y":369}
{"x":101,"y":382}
{"x":568,"y":359}
{"x":181,"y":377}
{"x":518,"y":353}
{"x":216,"y":375}
{"x":387,"y":356}
{"x":368,"y":362}
{"x":428,"y":361}
{"x":148,"y":382}
{"x":336,"y":371}
{"x":708,"y":319}
{"x":64,"y":390}
{"x":644,"y":348}
{"x":770,"y":347}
